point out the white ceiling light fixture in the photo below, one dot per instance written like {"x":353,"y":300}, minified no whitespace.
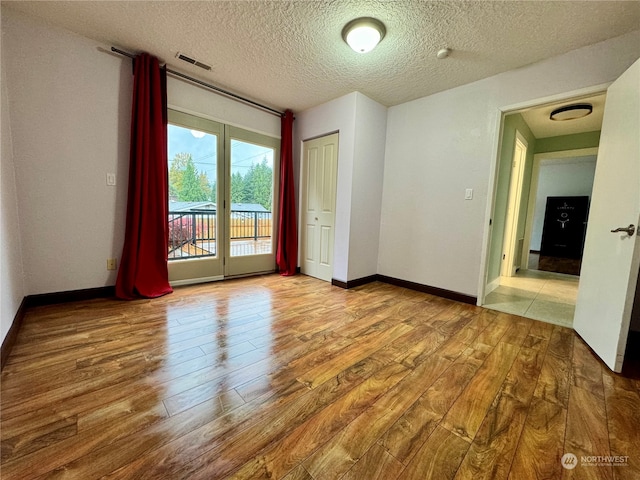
{"x":571,"y":112}
{"x":363,"y":34}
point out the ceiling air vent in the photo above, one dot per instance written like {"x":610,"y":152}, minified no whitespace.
{"x":192,"y":61}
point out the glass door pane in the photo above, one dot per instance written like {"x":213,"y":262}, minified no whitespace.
{"x":252,"y":181}
{"x":194,"y":145}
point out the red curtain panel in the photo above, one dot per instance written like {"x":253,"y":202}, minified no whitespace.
{"x":143,"y":265}
{"x":287,"y":250}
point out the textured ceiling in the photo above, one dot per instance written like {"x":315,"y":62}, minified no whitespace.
{"x":290,"y":54}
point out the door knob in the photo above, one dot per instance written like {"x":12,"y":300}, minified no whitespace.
{"x":631,"y":229}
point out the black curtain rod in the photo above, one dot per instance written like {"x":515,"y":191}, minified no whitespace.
{"x":218,"y":90}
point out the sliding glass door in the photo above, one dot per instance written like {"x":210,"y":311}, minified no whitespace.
{"x":221,"y":200}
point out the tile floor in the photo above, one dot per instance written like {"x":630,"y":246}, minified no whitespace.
{"x":547,"y":296}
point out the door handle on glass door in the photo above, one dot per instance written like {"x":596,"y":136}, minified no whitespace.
{"x":631,"y":229}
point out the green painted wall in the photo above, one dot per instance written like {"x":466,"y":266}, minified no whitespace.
{"x":568,"y":142}
{"x":511,"y":124}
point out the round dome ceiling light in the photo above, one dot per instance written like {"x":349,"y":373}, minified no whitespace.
{"x":363,"y":34}
{"x":571,"y":112}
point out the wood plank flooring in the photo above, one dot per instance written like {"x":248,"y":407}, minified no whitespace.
{"x":292,"y":378}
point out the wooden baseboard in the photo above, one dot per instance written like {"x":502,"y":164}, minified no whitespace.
{"x":70,"y":296}
{"x":440,"y":292}
{"x":354,"y":283}
{"x":10,"y":339}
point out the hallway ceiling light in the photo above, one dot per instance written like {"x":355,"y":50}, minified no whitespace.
{"x":363,"y":34}
{"x":571,"y":112}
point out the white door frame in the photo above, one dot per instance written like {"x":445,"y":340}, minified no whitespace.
{"x":493,"y":169}
{"x":535,"y":178}
{"x":519,"y":158}
{"x":190,"y":271}
{"x":246,"y":265}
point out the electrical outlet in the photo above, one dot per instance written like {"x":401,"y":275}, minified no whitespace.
{"x":111,"y":263}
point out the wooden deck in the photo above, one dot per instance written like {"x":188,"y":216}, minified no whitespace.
{"x":291,"y":378}
{"x":239,"y":247}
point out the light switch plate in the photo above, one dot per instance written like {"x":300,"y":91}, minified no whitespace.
{"x":468,"y":194}
{"x":111,"y":179}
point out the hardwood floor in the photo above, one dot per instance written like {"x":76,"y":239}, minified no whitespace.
{"x":291,"y":378}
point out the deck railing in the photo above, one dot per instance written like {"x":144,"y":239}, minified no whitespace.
{"x":193,"y":234}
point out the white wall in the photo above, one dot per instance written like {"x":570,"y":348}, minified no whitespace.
{"x":184,"y":96}
{"x":439,"y":145}
{"x":12,"y":280}
{"x":71,"y":105}
{"x":366,"y":192}
{"x":361,"y":123}
{"x":560,"y":178}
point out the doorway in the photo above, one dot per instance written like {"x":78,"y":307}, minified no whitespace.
{"x":319,"y":182}
{"x":222,"y":206}
{"x":568,"y":173}
{"x":519,"y":286}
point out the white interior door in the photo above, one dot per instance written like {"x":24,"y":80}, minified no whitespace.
{"x":611,"y":260}
{"x":510,"y":260}
{"x":319,"y":179}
